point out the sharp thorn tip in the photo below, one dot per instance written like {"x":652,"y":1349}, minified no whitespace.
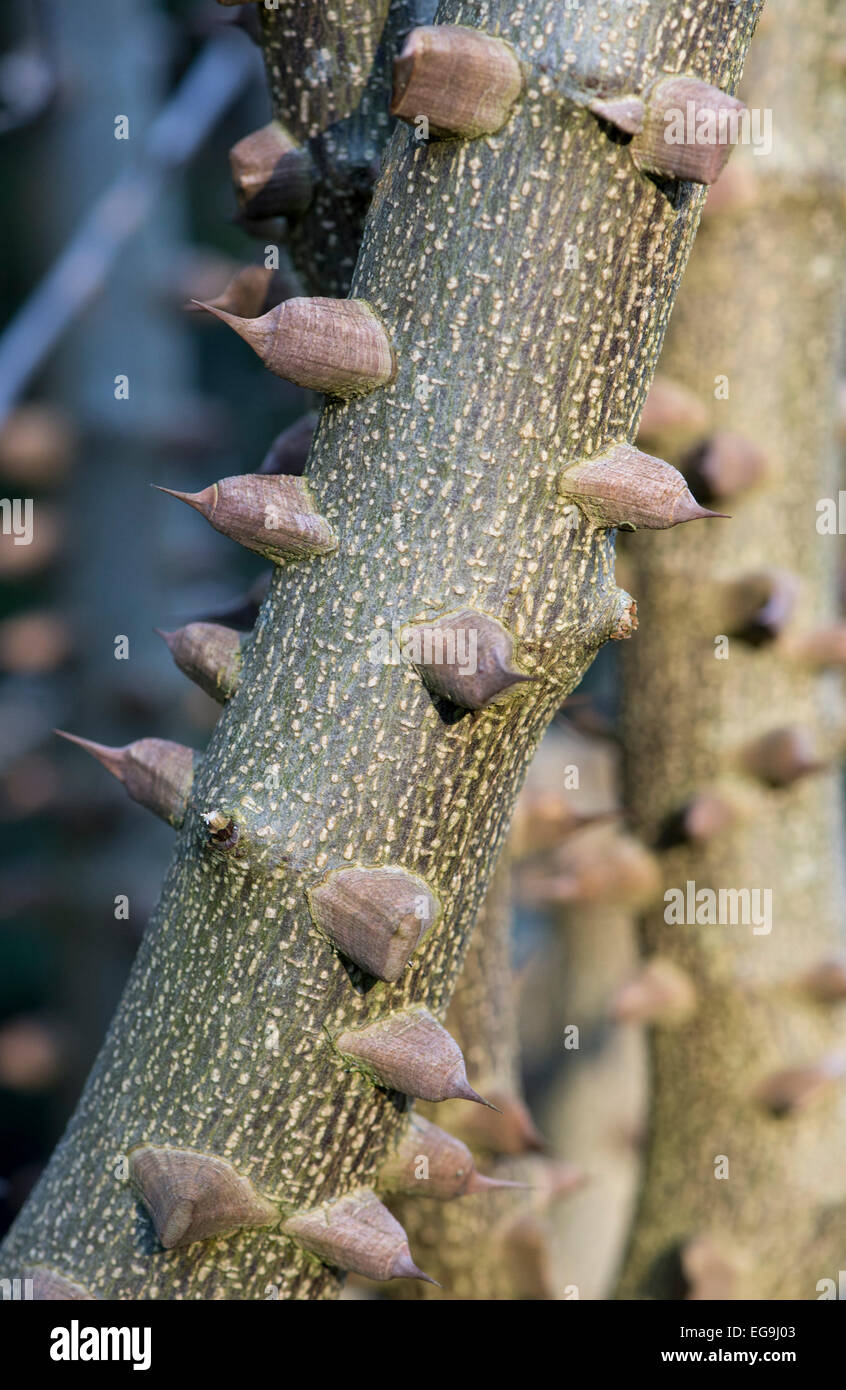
{"x":480,"y":1182}
{"x":405,"y":1268}
{"x":470,"y":1094}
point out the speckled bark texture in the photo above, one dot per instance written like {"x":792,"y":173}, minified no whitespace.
{"x":442,"y":491}
{"x":761,"y":303}
{"x":320,"y":58}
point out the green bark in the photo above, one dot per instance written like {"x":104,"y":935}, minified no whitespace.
{"x":442,"y":491}
{"x":342,"y":119}
{"x":761,"y":304}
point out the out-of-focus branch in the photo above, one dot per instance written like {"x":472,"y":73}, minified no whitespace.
{"x":209,"y":86}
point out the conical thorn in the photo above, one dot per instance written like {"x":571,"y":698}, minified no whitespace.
{"x":200,"y":501}
{"x":464,"y":1091}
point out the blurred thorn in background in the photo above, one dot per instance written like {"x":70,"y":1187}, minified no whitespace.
{"x":37,"y":445}
{"x":34,"y":1052}
{"x":28,"y":75}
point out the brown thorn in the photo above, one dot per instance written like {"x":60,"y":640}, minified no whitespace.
{"x":405,"y":1268}
{"x":480,"y":1182}
{"x":200,"y":501}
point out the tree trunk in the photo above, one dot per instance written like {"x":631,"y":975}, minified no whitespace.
{"x":766,"y":316}
{"x":441,"y":489}
{"x":345,"y":135}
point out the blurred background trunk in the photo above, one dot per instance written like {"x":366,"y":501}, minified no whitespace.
{"x":744,"y":1188}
